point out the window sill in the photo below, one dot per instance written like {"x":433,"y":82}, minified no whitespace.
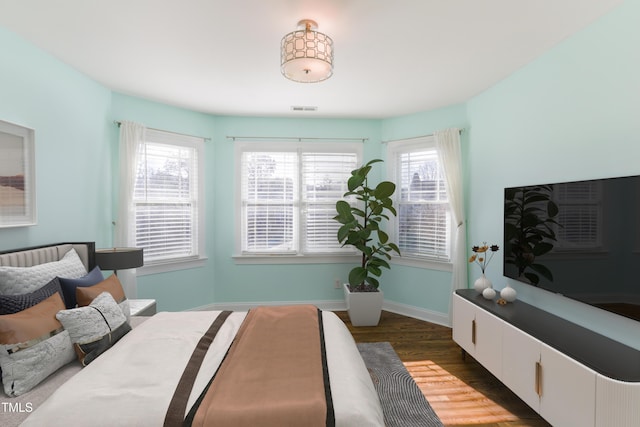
{"x":296,"y":259}
{"x":422,"y":263}
{"x":166,"y":267}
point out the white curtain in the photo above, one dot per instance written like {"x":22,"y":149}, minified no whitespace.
{"x":450,"y":156}
{"x":132,"y":136}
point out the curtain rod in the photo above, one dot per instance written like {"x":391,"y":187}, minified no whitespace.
{"x":418,"y":137}
{"x":295,"y":138}
{"x":168,"y":131}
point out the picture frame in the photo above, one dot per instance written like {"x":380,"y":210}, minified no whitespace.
{"x":17,"y":176}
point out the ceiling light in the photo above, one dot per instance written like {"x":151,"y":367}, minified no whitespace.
{"x":306,"y":55}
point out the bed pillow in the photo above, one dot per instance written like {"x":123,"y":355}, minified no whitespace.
{"x":69,"y":285}
{"x":10,"y":304}
{"x":33,"y":345}
{"x":95,"y":328}
{"x":84,"y":295}
{"x":23,"y":280}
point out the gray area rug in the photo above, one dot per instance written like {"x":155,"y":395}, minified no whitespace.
{"x":402,"y":402}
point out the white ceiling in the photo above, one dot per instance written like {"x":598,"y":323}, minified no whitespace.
{"x":222,"y":56}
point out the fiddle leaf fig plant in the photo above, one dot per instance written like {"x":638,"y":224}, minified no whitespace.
{"x":361,"y":227}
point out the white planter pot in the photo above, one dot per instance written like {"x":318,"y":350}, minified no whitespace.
{"x":364,"y":308}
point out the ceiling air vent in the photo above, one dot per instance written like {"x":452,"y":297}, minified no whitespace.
{"x":303,"y":108}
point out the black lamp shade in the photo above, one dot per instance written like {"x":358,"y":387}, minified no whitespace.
{"x":119,"y":258}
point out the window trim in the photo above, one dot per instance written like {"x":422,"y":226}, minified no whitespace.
{"x":200,"y":258}
{"x":394,"y":148}
{"x":299,"y":257}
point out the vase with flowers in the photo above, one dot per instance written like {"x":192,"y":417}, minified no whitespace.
{"x":482,"y":255}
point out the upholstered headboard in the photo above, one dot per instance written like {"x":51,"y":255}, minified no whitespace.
{"x":28,"y":257}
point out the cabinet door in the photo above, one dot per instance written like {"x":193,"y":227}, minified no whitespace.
{"x":568,"y":390}
{"x":520,"y":354}
{"x":617,"y":402}
{"x":464,"y":314}
{"x":489,"y":342}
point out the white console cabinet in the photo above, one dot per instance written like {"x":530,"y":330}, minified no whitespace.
{"x":528,"y":350}
{"x":479,"y":334}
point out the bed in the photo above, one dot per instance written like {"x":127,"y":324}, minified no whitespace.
{"x":136,"y":374}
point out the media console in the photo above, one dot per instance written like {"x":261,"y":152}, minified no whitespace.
{"x":571,"y":375}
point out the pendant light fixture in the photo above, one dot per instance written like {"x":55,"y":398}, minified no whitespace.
{"x":306,"y":55}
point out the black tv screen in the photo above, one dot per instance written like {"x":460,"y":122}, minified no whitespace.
{"x":580,"y":239}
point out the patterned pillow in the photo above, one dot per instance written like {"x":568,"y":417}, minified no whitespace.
{"x":95,"y":328}
{"x":10,"y":304}
{"x":69,"y":285}
{"x":33,"y":345}
{"x":85,"y":295}
{"x":22,"y":280}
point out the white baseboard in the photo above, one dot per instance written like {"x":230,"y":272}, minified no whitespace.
{"x":335,"y":305}
{"x":417,"y":313}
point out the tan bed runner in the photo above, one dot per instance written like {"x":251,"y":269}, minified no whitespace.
{"x":275,"y":373}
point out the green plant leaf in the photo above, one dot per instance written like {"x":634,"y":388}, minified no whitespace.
{"x":357,"y":276}
{"x":384,"y":190}
{"x":395,"y":248}
{"x":373,"y":282}
{"x":383,"y":237}
{"x":343,"y":232}
{"x":355,"y":181}
{"x":371,"y":162}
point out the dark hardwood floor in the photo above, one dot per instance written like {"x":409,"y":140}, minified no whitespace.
{"x":461,"y":392}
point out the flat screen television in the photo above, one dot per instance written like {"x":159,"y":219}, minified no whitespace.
{"x":579,"y":239}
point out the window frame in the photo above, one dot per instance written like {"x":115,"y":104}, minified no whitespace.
{"x":394,"y":150}
{"x":296,"y":256}
{"x":198,"y":259}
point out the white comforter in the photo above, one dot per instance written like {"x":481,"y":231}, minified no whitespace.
{"x":133,"y":382}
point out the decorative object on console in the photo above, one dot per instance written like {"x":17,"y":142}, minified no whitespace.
{"x":482,"y":283}
{"x":508,"y":293}
{"x":119,"y":258}
{"x":306,"y":55}
{"x":489,"y":293}
{"x":482,"y":255}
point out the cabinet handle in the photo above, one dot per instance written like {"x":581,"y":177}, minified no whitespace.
{"x":473,"y":331}
{"x":538,"y":380}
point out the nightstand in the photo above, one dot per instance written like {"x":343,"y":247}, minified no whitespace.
{"x":142,"y":307}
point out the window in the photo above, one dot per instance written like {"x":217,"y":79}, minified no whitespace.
{"x":168,"y":198}
{"x":422,"y":228}
{"x":288,"y":194}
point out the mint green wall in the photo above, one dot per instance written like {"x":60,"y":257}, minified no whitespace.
{"x":69,"y":114}
{"x":572,"y":114}
{"x":182,"y":289}
{"x":248,"y":283}
{"x":418,"y":287}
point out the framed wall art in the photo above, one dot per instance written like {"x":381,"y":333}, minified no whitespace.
{"x":17,"y":176}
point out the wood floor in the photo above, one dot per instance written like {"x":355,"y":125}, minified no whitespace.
{"x":461,"y":392}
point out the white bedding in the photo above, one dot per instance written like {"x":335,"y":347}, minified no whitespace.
{"x":132,"y":383}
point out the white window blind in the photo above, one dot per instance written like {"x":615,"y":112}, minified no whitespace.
{"x":269,"y":193}
{"x":166,"y":197}
{"x":423,"y":226}
{"x":324,"y":181}
{"x":580,"y":215}
{"x":288,"y":197}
